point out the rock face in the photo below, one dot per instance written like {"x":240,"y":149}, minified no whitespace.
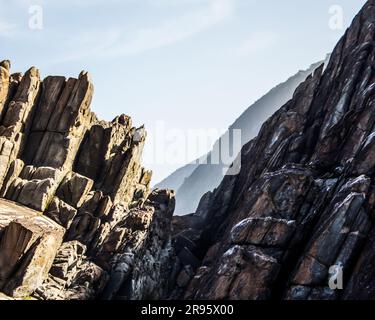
{"x":77,"y":218}
{"x":28,"y":246}
{"x":301,"y":211}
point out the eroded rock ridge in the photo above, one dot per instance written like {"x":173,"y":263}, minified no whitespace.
{"x":77,"y":217}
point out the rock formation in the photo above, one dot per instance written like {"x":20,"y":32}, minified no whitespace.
{"x":77,"y":218}
{"x":78,"y":221}
{"x":301,"y":211}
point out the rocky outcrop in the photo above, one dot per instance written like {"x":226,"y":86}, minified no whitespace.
{"x":145,"y":258}
{"x":75,"y":201}
{"x":300,"y":213}
{"x":78,"y":220}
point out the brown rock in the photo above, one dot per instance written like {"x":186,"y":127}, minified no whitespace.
{"x":4,"y":83}
{"x":46,"y":131}
{"x":61,"y":212}
{"x":28,"y":246}
{"x":74,"y":189}
{"x":263,"y":231}
{"x":16,"y":120}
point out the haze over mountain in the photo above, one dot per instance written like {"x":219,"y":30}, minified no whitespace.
{"x":195,"y":179}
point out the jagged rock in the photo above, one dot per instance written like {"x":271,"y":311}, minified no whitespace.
{"x":28,"y":246}
{"x":258,"y":275}
{"x":64,"y":132}
{"x":85,"y":179}
{"x":147,"y":254}
{"x":83,"y":228}
{"x":302,"y":203}
{"x":61,"y":212}
{"x":35,"y":193}
{"x":89,"y":281}
{"x":341,"y":231}
{"x":14,"y":171}
{"x":269,"y":232}
{"x":16,"y":120}
{"x":68,"y":259}
{"x":72,"y":276}
{"x":74,"y":189}
{"x":98,"y":204}
{"x":361,"y":283}
{"x":4,"y":83}
{"x":34,"y":187}
{"x":100,"y":143}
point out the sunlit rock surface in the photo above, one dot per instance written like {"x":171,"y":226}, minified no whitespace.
{"x":74,"y":196}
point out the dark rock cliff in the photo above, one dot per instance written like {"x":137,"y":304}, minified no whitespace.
{"x":301,"y":211}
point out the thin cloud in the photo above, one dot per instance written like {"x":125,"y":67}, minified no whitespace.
{"x":117,"y":43}
{"x":177,"y":29}
{"x":96,"y":3}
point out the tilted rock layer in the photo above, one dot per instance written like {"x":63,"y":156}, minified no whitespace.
{"x":302,"y":208}
{"x":78,"y":221}
{"x":77,"y":218}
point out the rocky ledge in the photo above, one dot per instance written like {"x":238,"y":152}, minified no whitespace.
{"x":77,"y":217}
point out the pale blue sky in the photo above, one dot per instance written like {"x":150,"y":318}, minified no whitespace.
{"x":189,"y":63}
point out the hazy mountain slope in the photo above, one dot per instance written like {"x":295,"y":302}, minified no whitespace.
{"x":207,"y":177}
{"x":176,"y":179}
